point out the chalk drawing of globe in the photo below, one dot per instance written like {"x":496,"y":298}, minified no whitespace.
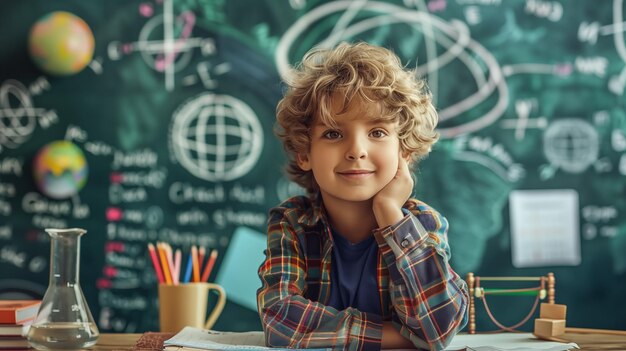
{"x":571,"y":144}
{"x":216,"y":137}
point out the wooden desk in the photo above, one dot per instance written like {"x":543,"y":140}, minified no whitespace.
{"x":116,"y":342}
{"x":586,"y":342}
{"x":593,"y":342}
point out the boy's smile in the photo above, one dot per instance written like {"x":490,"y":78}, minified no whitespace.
{"x":356,"y":173}
{"x":355,"y":159}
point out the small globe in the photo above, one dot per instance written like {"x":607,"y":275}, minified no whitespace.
{"x":61,"y":43}
{"x":60,"y":169}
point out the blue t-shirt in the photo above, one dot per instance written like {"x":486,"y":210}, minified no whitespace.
{"x":353,"y":275}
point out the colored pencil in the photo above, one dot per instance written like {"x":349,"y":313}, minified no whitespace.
{"x":166,"y":272}
{"x":155,"y":263}
{"x":194,"y":262}
{"x":170,"y":262}
{"x":201,"y":253}
{"x":177,"y":259}
{"x":187,"y":276}
{"x":209,"y":266}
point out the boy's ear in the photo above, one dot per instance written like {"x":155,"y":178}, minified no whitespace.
{"x":303,"y":162}
{"x":406,"y":156}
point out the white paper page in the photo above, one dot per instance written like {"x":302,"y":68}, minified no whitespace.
{"x":216,"y":340}
{"x":199,"y":338}
{"x":503,"y":342}
{"x":544,"y":228}
{"x":506,"y":341}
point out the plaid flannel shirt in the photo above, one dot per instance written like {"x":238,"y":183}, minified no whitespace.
{"x":419,"y":292}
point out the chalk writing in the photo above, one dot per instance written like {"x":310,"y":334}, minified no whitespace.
{"x":43,"y":222}
{"x":228,"y":216}
{"x":180,"y":193}
{"x":11,"y":165}
{"x":145,"y":158}
{"x":119,"y":194}
{"x":35,"y":203}
{"x":7,"y":190}
{"x":6,"y":232}
{"x":192,"y":217}
{"x":5,"y":207}
{"x":11,"y":255}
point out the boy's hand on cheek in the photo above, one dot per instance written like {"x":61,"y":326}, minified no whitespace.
{"x":388,"y":202}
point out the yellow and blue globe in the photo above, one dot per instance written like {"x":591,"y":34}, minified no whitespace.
{"x":60,"y":169}
{"x":61,"y":43}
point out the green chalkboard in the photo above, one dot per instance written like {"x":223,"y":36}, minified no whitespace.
{"x":175,"y":113}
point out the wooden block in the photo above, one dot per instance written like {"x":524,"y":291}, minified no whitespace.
{"x":549,"y":327}
{"x":552,"y":311}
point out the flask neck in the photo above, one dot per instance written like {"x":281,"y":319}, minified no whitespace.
{"x":65,"y":256}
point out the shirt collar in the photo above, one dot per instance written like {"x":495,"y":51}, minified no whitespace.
{"x":314,"y":213}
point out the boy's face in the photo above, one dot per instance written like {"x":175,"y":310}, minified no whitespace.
{"x":354,"y":161}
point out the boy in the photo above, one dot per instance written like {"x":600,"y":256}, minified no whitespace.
{"x":356,"y":264}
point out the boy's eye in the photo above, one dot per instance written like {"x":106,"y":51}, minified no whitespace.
{"x":378,"y":133}
{"x":331,"y":134}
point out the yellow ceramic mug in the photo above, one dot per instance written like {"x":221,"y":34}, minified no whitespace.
{"x":186,"y":305}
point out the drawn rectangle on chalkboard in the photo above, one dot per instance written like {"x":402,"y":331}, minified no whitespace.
{"x":544,"y":228}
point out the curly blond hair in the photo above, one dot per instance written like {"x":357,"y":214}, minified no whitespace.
{"x":359,"y":70}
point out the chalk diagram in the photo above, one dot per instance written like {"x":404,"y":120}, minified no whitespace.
{"x":165,"y":42}
{"x":216,"y":137}
{"x":571,"y":144}
{"x":18,"y":115}
{"x":359,"y":17}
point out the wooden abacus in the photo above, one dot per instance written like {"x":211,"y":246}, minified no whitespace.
{"x":545,"y":289}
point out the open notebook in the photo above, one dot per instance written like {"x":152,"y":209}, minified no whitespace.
{"x":191,"y":339}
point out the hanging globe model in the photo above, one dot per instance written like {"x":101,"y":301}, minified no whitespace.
{"x":61,"y":43}
{"x":60,"y":169}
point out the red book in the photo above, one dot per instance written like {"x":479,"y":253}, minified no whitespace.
{"x":18,"y":311}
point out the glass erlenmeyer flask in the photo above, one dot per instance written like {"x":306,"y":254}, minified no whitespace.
{"x":64,"y":320}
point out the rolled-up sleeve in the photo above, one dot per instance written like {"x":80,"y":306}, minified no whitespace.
{"x":429,"y":299}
